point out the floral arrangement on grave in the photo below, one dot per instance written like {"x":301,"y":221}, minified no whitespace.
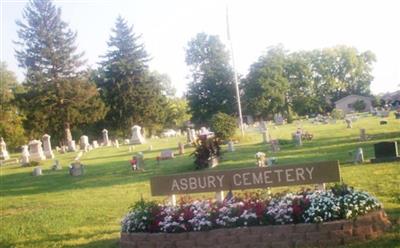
{"x":207,"y":150}
{"x":260,"y":159}
{"x":133,"y":163}
{"x":251,"y":209}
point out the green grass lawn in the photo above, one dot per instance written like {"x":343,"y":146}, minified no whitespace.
{"x":57,"y":210}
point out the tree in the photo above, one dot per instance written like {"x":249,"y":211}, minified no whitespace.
{"x":266,"y":84}
{"x":223,"y":125}
{"x":10,"y":119}
{"x":359,"y":105}
{"x":177,"y":113}
{"x":57,"y":93}
{"x":211,"y":89}
{"x":132,"y":93}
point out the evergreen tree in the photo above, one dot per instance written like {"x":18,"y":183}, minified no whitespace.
{"x":212,"y":89}
{"x":132,"y":93}
{"x":57,"y":93}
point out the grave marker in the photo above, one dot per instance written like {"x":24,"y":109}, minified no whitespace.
{"x":24,"y":160}
{"x":48,"y":152}
{"x":386,"y":152}
{"x":3,"y":150}
{"x":36,"y":151}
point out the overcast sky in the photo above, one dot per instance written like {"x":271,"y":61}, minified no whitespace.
{"x":167,"y":26}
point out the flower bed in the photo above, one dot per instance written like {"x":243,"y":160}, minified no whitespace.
{"x":260,"y":214}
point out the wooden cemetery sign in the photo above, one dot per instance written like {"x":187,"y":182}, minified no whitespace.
{"x":246,"y":178}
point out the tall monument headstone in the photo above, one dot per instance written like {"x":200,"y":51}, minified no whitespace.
{"x":106,"y":141}
{"x":3,"y":150}
{"x":137,"y":137}
{"x":48,"y":152}
{"x":36,"y":151}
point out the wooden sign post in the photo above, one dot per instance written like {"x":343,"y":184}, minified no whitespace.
{"x":246,"y":178}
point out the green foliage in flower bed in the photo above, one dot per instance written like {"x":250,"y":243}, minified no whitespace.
{"x":250,"y":210}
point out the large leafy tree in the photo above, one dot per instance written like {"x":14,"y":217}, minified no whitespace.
{"x":57,"y":93}
{"x":10,"y":119}
{"x":132,"y":93}
{"x":266,"y":84}
{"x":211,"y":89}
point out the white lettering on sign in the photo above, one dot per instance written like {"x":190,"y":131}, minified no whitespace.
{"x":288,"y":175}
{"x":236,"y":178}
{"x":310,"y":171}
{"x":243,"y":179}
{"x":220,"y":178}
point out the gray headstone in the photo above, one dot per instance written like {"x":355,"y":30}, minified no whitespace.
{"x":168,"y":154}
{"x":48,"y":152}
{"x":36,"y":151}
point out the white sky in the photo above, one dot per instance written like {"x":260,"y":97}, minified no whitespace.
{"x":167,"y":26}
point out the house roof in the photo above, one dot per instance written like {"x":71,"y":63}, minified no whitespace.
{"x":355,"y":96}
{"x":393,"y":96}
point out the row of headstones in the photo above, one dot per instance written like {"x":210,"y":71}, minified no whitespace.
{"x":192,"y":134}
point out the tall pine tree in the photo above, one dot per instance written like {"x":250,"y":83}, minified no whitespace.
{"x":211,"y":89}
{"x":57,"y":93}
{"x":131,"y":92}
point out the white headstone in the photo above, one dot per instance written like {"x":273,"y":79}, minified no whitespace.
{"x":189,"y":136}
{"x":193,"y":135}
{"x":36,"y":151}
{"x":24,"y":156}
{"x":106,"y":141}
{"x":71,"y":146}
{"x":116,"y":143}
{"x":359,"y":156}
{"x":231,"y":146}
{"x":95,"y":144}
{"x":3,"y":150}
{"x":84,"y":143}
{"x":137,"y":137}
{"x":265,"y":136}
{"x":48,"y":152}
{"x":126,"y":141}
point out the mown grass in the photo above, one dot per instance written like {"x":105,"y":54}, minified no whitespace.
{"x":57,"y":210}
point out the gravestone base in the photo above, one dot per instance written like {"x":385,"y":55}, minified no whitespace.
{"x":37,"y":156}
{"x":49,"y":154}
{"x":384,"y":160}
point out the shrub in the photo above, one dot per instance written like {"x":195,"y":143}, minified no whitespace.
{"x":337,"y":114}
{"x":223,"y":125}
{"x":207,"y":148}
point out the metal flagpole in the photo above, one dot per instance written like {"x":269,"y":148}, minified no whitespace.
{"x":235,"y":74}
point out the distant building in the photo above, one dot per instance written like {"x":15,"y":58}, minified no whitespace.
{"x":392,"y":98}
{"x":347,"y":103}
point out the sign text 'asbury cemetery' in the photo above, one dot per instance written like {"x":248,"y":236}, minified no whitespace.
{"x":246,"y":178}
